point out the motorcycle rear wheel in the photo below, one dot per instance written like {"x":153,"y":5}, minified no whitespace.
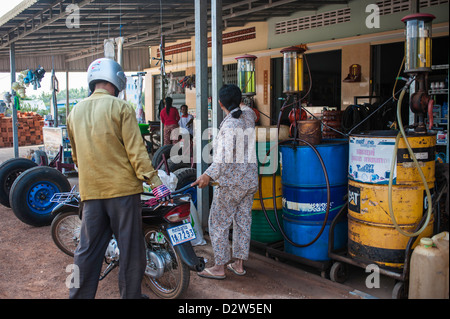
{"x":175,"y":279}
{"x":66,"y":231}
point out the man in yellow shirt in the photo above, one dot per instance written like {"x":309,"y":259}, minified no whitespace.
{"x":112,"y":163}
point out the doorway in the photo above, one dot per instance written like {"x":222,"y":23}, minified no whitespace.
{"x":326,"y":82}
{"x":386,"y":63}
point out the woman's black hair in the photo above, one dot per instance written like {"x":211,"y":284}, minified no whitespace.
{"x":230,"y":96}
{"x":168,"y":104}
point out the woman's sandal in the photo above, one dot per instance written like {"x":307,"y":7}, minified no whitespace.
{"x":230,"y":267}
{"x":210,"y":275}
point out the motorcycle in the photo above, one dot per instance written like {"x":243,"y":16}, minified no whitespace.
{"x":170,"y":255}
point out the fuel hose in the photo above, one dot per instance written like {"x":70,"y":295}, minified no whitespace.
{"x":294,"y":144}
{"x":422,"y":176}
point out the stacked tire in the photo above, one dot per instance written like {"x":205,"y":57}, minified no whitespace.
{"x":27,"y":188}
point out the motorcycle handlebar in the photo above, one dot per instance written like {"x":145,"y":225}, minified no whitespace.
{"x":183,"y":189}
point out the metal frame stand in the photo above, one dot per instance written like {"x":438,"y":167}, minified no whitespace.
{"x":338,"y":271}
{"x":276,"y":250}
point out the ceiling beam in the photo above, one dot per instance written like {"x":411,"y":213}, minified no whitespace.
{"x":235,"y":10}
{"x":42,"y":22}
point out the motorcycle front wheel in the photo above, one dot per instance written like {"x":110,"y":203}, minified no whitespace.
{"x":175,"y":279}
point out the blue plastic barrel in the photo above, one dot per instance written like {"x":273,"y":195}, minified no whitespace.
{"x":303,"y":182}
{"x":303,"y":233}
{"x":310,"y":204}
{"x":304,"y":196}
{"x":301,"y":167}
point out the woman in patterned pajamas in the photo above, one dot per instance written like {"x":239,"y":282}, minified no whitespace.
{"x":235,"y":169}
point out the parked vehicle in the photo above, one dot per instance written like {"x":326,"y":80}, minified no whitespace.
{"x":170,"y":255}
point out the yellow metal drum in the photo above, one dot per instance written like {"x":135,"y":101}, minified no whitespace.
{"x":370,"y":158}
{"x":372,"y":235}
{"x":381,"y":243}
{"x":424,"y":150}
{"x":267,"y":193}
{"x":369,"y":202}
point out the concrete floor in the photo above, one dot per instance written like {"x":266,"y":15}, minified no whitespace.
{"x":8,"y":152}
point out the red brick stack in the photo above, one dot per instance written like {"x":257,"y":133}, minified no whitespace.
{"x":29,"y":129}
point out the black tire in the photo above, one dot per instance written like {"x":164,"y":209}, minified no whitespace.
{"x":339,"y":272}
{"x":400,"y":291}
{"x":187,"y":176}
{"x":66,"y":231}
{"x":158,"y":156}
{"x":31,"y":193}
{"x":175,"y":163}
{"x":9,"y":171}
{"x":175,"y":279}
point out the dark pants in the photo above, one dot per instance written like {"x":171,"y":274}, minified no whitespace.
{"x":101,"y":218}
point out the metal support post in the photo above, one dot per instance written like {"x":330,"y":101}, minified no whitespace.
{"x":201,"y":84}
{"x":162,"y":90}
{"x":67,"y":95}
{"x":54,"y":88}
{"x":12,"y":60}
{"x":217,"y":62}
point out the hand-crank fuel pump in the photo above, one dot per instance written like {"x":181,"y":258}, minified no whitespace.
{"x":246,"y":80}
{"x":418,"y":65}
{"x":292,"y":87}
{"x":293,"y":84}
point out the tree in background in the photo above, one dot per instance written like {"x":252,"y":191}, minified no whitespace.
{"x":74,"y":94}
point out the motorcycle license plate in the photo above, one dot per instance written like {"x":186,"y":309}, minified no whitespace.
{"x":181,"y":234}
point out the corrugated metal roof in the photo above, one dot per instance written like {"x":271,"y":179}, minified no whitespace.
{"x":54,"y":28}
{"x":16,"y":11}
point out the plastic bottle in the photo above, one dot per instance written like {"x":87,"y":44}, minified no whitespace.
{"x":429,"y":270}
{"x":444,"y":113}
{"x":441,"y":242}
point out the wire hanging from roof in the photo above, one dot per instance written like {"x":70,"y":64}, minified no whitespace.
{"x":120,"y":18}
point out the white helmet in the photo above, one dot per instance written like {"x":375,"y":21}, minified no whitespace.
{"x":105,"y":69}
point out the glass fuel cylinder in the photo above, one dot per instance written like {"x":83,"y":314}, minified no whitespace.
{"x":292,"y":69}
{"x":418,"y":42}
{"x":246,"y":74}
